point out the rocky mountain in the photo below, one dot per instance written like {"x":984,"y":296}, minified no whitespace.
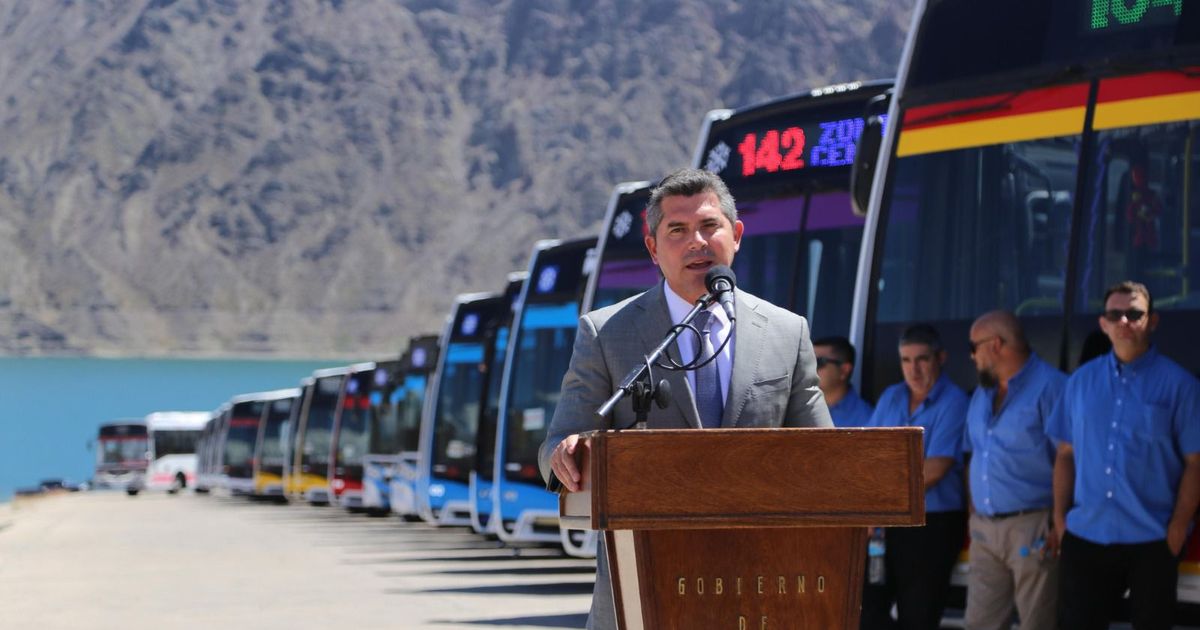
{"x":321,"y":177}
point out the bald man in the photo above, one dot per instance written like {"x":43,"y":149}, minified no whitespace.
{"x":1010,"y":472}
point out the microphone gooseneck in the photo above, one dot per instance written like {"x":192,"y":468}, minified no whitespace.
{"x":720,"y":281}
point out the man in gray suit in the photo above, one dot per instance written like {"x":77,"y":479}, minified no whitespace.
{"x":765,"y":376}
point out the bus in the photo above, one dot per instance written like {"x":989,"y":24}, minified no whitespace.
{"x":172,"y":457}
{"x":450,"y":423}
{"x":787,"y":163}
{"x":122,"y":450}
{"x":351,"y":437}
{"x":495,"y":350}
{"x":1032,"y":180}
{"x":544,"y":334}
{"x":408,"y":402}
{"x":308,"y":477}
{"x":384,"y":438}
{"x":240,"y":440}
{"x":270,"y":448}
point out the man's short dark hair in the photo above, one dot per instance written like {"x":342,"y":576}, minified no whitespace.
{"x":686,"y":182}
{"x":922,"y":334}
{"x":842,"y":349}
{"x":1129,"y":287}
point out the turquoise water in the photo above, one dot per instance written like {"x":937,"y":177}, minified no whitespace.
{"x":50,"y":408}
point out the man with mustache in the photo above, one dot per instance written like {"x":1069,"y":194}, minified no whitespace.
{"x":764,"y":373}
{"x":1010,"y":469}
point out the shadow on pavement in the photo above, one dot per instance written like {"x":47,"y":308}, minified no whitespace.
{"x":549,"y":588}
{"x":543,"y":621}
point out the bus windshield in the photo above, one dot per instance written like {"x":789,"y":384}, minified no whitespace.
{"x":122,"y":445}
{"x":1031,"y":182}
{"x":485,"y":440}
{"x":459,"y":395}
{"x":318,"y":428}
{"x":407,"y":400}
{"x":545,"y":338}
{"x":353,"y":437}
{"x":274,"y":432}
{"x":243,"y":432}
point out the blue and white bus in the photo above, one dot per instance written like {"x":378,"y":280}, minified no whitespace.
{"x":450,"y":424}
{"x":496,"y":350}
{"x":544,"y":334}
{"x":407,"y":403}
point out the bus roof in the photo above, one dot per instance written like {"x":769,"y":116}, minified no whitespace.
{"x":168,"y":420}
{"x":275,"y":394}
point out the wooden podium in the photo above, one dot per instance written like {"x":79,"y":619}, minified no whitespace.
{"x":746,"y":529}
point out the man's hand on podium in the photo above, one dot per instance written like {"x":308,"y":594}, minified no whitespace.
{"x":562,"y":462}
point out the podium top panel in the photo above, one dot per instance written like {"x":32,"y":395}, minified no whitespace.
{"x":736,"y":478}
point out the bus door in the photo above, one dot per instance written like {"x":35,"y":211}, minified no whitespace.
{"x":495,"y":350}
{"x":449,"y":429}
{"x":537,"y":360}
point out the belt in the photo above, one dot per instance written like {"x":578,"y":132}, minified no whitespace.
{"x":1004,"y":515}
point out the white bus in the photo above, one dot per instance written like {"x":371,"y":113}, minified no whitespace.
{"x":121,"y":449}
{"x":172,"y":437}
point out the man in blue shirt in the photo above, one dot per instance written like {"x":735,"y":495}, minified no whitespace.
{"x":835,"y":365}
{"x":1127,"y":473}
{"x":918,"y":560}
{"x":1010,"y":472}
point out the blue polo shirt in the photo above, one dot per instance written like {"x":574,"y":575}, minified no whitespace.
{"x":943,"y":415}
{"x":1012,"y":466}
{"x":1130,"y":426}
{"x":851,"y":410}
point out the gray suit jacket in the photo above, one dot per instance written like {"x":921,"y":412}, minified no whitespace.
{"x":773,"y":384}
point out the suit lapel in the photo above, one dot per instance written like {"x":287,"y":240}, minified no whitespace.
{"x":749,"y":335}
{"x":657,"y":323}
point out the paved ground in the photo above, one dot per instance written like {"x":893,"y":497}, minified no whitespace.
{"x":105,"y":560}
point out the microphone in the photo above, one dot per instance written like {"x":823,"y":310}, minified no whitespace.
{"x":720,"y":281}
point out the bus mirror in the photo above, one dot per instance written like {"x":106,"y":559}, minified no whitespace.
{"x":865,"y":158}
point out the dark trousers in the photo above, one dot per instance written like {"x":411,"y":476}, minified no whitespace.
{"x":1092,"y":579}
{"x":918,"y":562}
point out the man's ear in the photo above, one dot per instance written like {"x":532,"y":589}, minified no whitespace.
{"x":652,"y":247}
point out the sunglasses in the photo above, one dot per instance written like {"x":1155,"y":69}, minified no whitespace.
{"x":975,"y":344}
{"x":1132,"y":314}
{"x":823,"y":361}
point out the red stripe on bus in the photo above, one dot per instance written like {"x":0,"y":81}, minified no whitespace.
{"x":996,"y":106}
{"x":1149,"y":84}
{"x":243,"y":422}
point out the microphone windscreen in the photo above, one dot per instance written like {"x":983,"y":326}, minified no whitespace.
{"x":717,"y":273}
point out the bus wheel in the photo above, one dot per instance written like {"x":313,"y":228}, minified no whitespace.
{"x":131,"y":492}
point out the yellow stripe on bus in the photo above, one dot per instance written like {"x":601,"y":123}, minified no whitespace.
{"x":980,"y":133}
{"x":1189,"y":568}
{"x":1147,"y":111}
